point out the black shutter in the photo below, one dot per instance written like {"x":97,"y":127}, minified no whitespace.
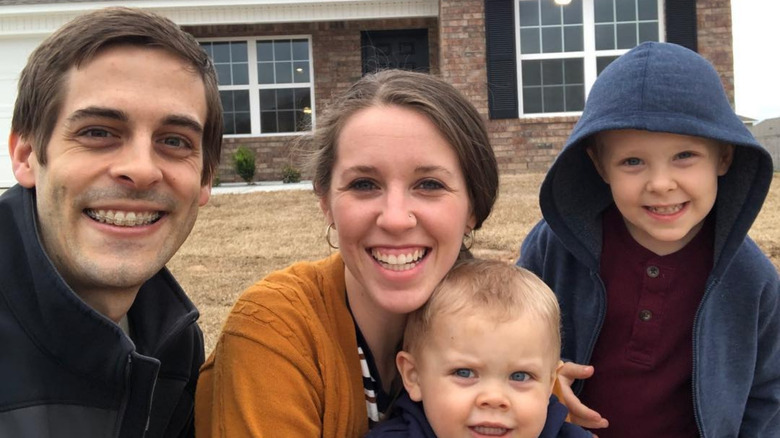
{"x":501,"y":61}
{"x":681,"y":23}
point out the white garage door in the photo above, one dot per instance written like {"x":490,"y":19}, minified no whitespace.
{"x":14,"y":52}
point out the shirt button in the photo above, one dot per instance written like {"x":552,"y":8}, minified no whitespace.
{"x":653,"y":271}
{"x":645,"y":315}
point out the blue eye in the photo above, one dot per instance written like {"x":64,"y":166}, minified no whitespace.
{"x":175,"y":142}
{"x":684,"y":155}
{"x":632,"y":161}
{"x":519,"y":376}
{"x":464,"y":373}
{"x":95,"y":133}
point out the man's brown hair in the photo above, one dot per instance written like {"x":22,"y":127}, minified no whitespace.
{"x":43,"y":82}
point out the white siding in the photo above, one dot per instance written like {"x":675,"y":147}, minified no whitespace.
{"x":14,"y":52}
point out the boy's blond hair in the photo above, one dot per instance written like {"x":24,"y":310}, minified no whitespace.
{"x":497,"y":290}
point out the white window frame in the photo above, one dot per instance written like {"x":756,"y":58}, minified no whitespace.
{"x":254,"y":86}
{"x":588,"y":54}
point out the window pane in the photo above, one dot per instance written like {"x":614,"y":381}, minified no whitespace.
{"x":208,"y":48}
{"x":241,"y":100}
{"x":228,"y":124}
{"x":227,"y":101}
{"x":221,"y":52}
{"x":572,"y":39}
{"x":572,"y":14}
{"x":625,"y":10}
{"x":265,"y":73}
{"x":575,"y":97}
{"x":552,"y":72}
{"x":602,"y":62}
{"x":551,"y":14}
{"x":302,"y":98}
{"x":529,"y":13}
{"x":648,"y":9}
{"x":605,"y":37}
{"x":240,"y":74}
{"x":238,"y":52}
{"x":648,"y":32}
{"x":552,"y":99}
{"x":283,"y":72}
{"x":301,"y":72}
{"x":300,"y":50}
{"x":573,"y":71}
{"x":268,"y":122}
{"x":603,"y":11}
{"x":626,"y":35}
{"x":283,"y":50}
{"x":243,"y":123}
{"x":552,"y":41}
{"x":265,"y":50}
{"x":267,"y":100}
{"x":223,"y":74}
{"x":532,"y":73}
{"x":284,"y":99}
{"x":529,"y":40}
{"x":286,"y":121}
{"x":532,"y":100}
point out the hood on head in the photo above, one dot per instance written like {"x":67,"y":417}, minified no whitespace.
{"x":659,"y":87}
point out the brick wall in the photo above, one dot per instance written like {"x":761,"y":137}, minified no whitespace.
{"x":531,"y":144}
{"x":337,"y":64}
{"x":457,"y":53}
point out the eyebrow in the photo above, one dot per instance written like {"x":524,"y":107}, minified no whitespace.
{"x":121,"y":116}
{"x":418,"y":169}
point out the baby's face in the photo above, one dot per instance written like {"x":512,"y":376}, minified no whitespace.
{"x":477,"y":377}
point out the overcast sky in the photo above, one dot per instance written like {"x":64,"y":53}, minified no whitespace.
{"x":756,"y":62}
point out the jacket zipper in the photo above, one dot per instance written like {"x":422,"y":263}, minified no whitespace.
{"x":694,"y":382}
{"x":125,"y":396}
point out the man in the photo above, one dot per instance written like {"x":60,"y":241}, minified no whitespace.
{"x":115,"y":137}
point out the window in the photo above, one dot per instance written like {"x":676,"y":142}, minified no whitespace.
{"x":562,"y":49}
{"x":265,"y":84}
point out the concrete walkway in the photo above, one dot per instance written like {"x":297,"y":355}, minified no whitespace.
{"x":259,"y":186}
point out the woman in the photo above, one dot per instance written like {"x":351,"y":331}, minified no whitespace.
{"x":404,"y":173}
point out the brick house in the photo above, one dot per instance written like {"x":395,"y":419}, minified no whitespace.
{"x":527,"y":65}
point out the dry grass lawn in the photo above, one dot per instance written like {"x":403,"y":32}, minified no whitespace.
{"x":240,"y":238}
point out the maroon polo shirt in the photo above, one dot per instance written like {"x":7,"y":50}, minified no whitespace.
{"x":643,"y":357}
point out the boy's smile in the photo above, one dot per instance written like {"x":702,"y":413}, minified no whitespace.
{"x":663,"y":184}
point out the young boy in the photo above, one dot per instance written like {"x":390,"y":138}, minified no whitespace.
{"x":480,"y":359}
{"x":644,"y":240}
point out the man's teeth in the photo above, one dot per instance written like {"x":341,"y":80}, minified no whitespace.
{"x":671,"y":209}
{"x":123,"y":218}
{"x":400,"y":262}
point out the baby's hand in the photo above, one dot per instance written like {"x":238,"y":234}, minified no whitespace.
{"x":580,"y":414}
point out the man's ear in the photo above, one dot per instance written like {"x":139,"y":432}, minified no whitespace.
{"x":407,"y":367}
{"x":23,"y":159}
{"x":726,"y":158}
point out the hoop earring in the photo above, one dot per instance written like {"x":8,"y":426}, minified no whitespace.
{"x":327,"y":236}
{"x":468,"y":240}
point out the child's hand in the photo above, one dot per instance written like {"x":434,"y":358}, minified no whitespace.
{"x":580,"y":414}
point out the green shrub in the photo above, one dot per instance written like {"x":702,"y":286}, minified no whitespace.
{"x":290,"y":174}
{"x":244,"y":162}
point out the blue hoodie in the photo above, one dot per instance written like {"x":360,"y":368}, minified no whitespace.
{"x":663,"y":87}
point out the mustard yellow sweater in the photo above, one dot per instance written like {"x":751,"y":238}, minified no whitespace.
{"x":286,"y":363}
